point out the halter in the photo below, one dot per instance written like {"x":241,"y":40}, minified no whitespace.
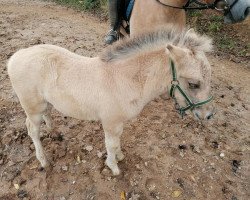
{"x":176,"y":85}
{"x":200,"y":6}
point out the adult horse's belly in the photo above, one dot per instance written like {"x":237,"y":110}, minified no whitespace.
{"x":149,"y":15}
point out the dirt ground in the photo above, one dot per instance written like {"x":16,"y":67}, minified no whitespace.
{"x":166,"y":157}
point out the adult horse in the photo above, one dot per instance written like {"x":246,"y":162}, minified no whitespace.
{"x":147,"y":15}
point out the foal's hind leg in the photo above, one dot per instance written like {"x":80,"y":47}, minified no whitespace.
{"x":47,"y":117}
{"x":33,"y":123}
{"x":34,"y":108}
{"x":119,"y":155}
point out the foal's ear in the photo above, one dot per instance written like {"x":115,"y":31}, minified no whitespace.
{"x":174,"y":51}
{"x":170,"y":47}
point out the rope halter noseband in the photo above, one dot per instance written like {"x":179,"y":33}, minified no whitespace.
{"x":176,"y":85}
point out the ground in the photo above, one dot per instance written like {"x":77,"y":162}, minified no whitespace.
{"x":166,"y":157}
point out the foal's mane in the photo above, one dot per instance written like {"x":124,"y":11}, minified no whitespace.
{"x":154,"y":40}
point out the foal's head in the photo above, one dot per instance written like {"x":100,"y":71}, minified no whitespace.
{"x":193,"y":74}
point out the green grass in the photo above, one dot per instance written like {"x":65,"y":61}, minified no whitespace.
{"x":194,"y":13}
{"x":226,"y":43}
{"x":216,"y":18}
{"x":215,"y":26}
{"x":215,"y":23}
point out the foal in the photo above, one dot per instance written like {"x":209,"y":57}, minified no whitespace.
{"x":112,"y":88}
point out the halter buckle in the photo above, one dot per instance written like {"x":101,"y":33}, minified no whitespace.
{"x":175,"y":82}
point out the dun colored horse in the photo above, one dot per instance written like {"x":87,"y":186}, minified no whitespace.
{"x":148,"y":15}
{"x":114,"y":87}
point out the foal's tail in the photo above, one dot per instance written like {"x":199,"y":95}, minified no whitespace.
{"x":10,"y":68}
{"x":12,"y":64}
{"x":21,"y":75}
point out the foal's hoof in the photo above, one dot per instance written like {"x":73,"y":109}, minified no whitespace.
{"x":115,"y":171}
{"x":47,"y":168}
{"x":45,"y":163}
{"x":114,"y":168}
{"x":120,"y":156}
{"x":41,"y":169}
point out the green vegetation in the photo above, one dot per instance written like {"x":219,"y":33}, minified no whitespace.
{"x":217,"y":18}
{"x":216,"y":22}
{"x":214,"y":26}
{"x":226,"y":38}
{"x":226,"y":43}
{"x":194,"y":13}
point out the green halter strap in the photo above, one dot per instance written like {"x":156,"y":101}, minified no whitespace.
{"x":176,"y":85}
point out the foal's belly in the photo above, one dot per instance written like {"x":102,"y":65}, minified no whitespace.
{"x":71,"y":107}
{"x":82,"y":113}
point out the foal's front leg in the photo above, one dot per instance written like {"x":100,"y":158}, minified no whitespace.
{"x":112,"y":142}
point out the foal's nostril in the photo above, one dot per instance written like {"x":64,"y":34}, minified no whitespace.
{"x":197,"y":115}
{"x":209,"y":116}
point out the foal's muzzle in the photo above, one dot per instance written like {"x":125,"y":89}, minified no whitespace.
{"x":204,"y":114}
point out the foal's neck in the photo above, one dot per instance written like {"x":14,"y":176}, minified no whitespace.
{"x":156,"y":70}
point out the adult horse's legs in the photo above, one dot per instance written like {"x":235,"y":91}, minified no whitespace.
{"x":113,"y":146}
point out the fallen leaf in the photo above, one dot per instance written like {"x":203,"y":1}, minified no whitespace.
{"x":16,"y":186}
{"x":123,"y":195}
{"x":34,"y":167}
{"x":176,"y":193}
{"x":78,"y":159}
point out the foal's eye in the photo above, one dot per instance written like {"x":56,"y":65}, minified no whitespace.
{"x":194,"y":85}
